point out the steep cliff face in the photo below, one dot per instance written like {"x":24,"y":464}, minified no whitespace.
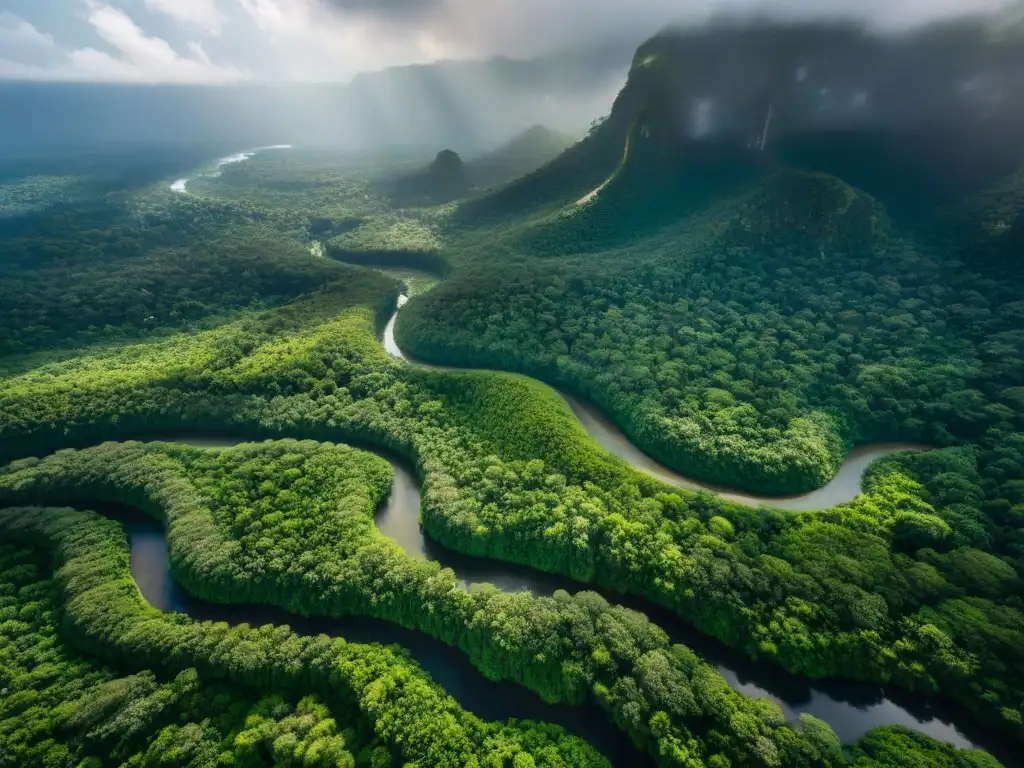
{"x":575,"y":172}
{"x":917,"y":119}
{"x":757,"y":84}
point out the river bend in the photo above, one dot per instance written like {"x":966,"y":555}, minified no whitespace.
{"x":845,"y":486}
{"x":850,"y":708}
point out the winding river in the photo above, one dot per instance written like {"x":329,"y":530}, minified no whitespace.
{"x":851,"y":709}
{"x":180,"y":186}
{"x":448,"y":666}
{"x":845,"y":486}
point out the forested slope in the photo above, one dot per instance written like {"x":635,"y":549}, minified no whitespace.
{"x":119,"y":266}
{"x":755,"y":348}
{"x":748,"y":321}
{"x":384,"y":696}
{"x":746,"y":318}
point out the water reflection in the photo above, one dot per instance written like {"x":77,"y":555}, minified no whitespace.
{"x":389,"y":331}
{"x":850,"y":708}
{"x":399,"y":519}
{"x":844,"y":487}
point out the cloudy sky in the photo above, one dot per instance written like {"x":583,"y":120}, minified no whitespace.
{"x":217,"y":41}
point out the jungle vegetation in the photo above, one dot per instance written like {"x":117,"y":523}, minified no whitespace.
{"x":392,"y":712}
{"x":748,"y":327}
{"x":908,"y":608}
{"x":87,"y":264}
{"x":61,"y":707}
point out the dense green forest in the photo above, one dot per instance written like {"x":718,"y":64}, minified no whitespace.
{"x":916,"y":605}
{"x":291,"y":524}
{"x":93,"y":258}
{"x":755,"y":372}
{"x":746,"y":323}
{"x":59,"y":707}
{"x":62,"y":708}
{"x":392,"y":707}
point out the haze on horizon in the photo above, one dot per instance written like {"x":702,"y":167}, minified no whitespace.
{"x":228,"y":41}
{"x":330,"y":72}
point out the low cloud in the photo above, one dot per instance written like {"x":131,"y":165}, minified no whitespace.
{"x":16,"y":32}
{"x":309,"y":40}
{"x":531,"y":27}
{"x":332,"y":40}
{"x":201,"y":15}
{"x":387,"y":8}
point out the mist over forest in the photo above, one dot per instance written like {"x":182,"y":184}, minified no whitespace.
{"x":473,"y":105}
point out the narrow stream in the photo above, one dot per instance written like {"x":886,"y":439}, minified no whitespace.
{"x":845,"y":486}
{"x":448,"y":666}
{"x":850,"y":708}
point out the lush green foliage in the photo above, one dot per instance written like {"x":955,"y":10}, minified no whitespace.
{"x":727,"y":344}
{"x":81,"y":279}
{"x":290,"y":524}
{"x":60,"y":708}
{"x":752,"y":344}
{"x":752,"y":371}
{"x":82,"y":263}
{"x":390,"y":233}
{"x":414,"y":281}
{"x":896,"y":747}
{"x":748,"y":353}
{"x":777,"y":585}
{"x":394,"y":702}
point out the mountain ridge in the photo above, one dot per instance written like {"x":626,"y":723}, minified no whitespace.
{"x":929,"y":117}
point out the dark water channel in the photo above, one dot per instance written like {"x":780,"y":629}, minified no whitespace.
{"x":448,"y":666}
{"x":850,"y":708}
{"x":845,"y":486}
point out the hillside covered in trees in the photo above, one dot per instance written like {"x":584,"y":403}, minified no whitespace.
{"x":746,"y":311}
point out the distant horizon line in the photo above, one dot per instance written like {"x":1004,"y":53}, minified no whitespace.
{"x":495,"y":58}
